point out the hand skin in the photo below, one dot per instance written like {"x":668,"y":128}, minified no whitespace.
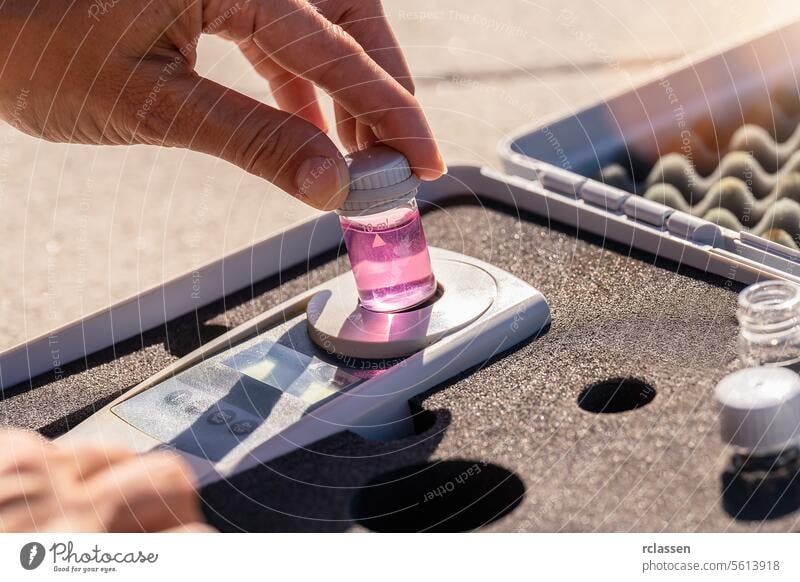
{"x":50,"y":488}
{"x":122,"y":72}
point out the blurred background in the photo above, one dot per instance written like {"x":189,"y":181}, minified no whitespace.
{"x":87,"y":226}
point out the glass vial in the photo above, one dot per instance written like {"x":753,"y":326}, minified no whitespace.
{"x":769,"y":324}
{"x":383,"y":232}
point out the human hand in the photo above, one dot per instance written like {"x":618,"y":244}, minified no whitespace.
{"x":122,"y":72}
{"x":50,"y":488}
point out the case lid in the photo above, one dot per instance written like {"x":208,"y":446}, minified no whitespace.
{"x":568,"y":166}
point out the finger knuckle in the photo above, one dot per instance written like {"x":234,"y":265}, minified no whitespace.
{"x":364,"y":8}
{"x":267,"y":151}
{"x":334,"y":36}
{"x":154,"y":112}
{"x":379,"y":117}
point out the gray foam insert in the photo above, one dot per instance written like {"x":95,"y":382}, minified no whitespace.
{"x":616,"y":313}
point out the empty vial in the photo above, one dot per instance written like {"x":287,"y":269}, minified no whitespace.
{"x":383,"y":232}
{"x":769,"y":324}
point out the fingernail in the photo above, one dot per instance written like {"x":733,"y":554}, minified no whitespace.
{"x":323,"y":182}
{"x":436,"y":171}
{"x":442,"y":163}
{"x":430,"y":174}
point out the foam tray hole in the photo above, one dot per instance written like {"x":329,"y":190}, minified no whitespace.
{"x":616,"y":395}
{"x":443,"y":496}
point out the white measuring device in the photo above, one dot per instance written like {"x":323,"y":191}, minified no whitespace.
{"x":317,"y":365}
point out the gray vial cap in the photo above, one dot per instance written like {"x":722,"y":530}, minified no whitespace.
{"x":380,"y":179}
{"x":760,"y":408}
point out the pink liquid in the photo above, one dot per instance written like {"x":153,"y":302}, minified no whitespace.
{"x":391,"y":265}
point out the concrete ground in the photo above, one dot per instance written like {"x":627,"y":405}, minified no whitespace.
{"x":87,"y":226}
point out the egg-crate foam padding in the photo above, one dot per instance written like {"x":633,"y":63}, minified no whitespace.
{"x":745,"y":180}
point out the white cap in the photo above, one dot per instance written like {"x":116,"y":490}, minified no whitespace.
{"x":760,"y":408}
{"x":380,"y":178}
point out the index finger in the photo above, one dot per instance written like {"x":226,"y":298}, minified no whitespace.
{"x":304,"y":42}
{"x":366,"y":22}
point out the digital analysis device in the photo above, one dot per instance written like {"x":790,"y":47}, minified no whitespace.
{"x":317,"y":365}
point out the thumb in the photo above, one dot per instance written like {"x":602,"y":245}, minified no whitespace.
{"x":201,"y":115}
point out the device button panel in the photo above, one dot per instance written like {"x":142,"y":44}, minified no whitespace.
{"x":252,"y":391}
{"x":222,"y":416}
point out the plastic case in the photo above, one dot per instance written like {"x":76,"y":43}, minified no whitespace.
{"x":548,"y":171}
{"x":679,"y":112}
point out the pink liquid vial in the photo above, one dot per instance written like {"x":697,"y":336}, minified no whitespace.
{"x":391,"y":263}
{"x":383,"y":232}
